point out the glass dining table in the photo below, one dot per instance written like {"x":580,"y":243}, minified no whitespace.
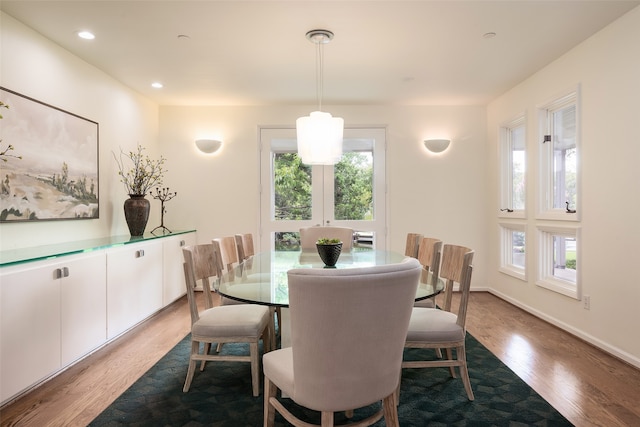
{"x":262,"y":279}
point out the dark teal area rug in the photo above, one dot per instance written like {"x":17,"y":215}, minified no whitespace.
{"x":221,"y":396}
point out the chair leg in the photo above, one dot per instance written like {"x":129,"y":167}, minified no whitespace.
{"x":279,"y":316}
{"x":452,"y":369}
{"x":390,"y":411}
{"x":464,"y":372}
{"x":270,"y":391}
{"x":326,"y":419}
{"x":207,"y":349}
{"x":195,"y":348}
{"x":269,"y":338}
{"x":255,"y":368}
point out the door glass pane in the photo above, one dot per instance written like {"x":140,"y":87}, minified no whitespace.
{"x":287,"y":240}
{"x":292,"y":187}
{"x":564,"y":158}
{"x":517,"y":168}
{"x":353,"y":191}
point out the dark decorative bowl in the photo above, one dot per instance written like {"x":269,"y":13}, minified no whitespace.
{"x":329,"y":253}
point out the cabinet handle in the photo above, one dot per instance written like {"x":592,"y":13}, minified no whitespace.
{"x":59,"y":273}
{"x":182,"y":242}
{"x":140,"y":253}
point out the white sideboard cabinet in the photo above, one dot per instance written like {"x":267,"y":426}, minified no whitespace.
{"x":59,"y":303}
{"x":51,"y":314}
{"x":134,"y":285}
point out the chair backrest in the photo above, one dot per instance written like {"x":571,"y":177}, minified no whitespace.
{"x":199,"y":266}
{"x":413,"y":244}
{"x":429,"y":254}
{"x":348,"y":329}
{"x":244,"y":245}
{"x":226,"y":255}
{"x":309,"y":236}
{"x":456,"y":267}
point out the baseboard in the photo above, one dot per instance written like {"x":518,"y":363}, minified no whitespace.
{"x":612,"y":350}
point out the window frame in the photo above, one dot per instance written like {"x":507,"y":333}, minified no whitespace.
{"x":545,"y":279}
{"x":545,"y":209}
{"x":506,"y":209}
{"x":506,"y":250}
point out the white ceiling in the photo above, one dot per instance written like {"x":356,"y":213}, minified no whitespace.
{"x":255,"y":52}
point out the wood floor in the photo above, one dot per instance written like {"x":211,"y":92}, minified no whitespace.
{"x":586,"y":385}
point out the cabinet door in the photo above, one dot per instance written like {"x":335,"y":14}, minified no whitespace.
{"x":134,"y":285}
{"x":173,"y":277}
{"x":83,"y":306}
{"x":29,"y":326}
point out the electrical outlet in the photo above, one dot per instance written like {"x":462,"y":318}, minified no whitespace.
{"x":587,"y":302}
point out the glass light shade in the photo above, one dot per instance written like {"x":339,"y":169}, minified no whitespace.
{"x":320,"y":138}
{"x":208,"y":145}
{"x":437,"y":145}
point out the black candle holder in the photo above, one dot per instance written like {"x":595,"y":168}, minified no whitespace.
{"x":164,"y":195}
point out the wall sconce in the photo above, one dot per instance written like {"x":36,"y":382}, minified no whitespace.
{"x":437,"y":145}
{"x":208,"y":146}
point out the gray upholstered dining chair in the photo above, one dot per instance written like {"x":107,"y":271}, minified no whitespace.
{"x":429,"y":254}
{"x":246,"y":323}
{"x":309,"y":236}
{"x":346,"y":352}
{"x":442,"y":329}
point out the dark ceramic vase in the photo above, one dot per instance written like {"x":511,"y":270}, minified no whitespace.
{"x":329,"y":253}
{"x":136,"y":212}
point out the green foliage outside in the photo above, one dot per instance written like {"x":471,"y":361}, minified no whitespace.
{"x":292,"y":192}
{"x":292,"y":182}
{"x":354,"y":187}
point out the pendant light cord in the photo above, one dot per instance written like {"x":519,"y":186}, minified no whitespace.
{"x":319,"y":73}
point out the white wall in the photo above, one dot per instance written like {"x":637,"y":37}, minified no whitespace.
{"x":34,"y":66}
{"x":607,"y":68}
{"x":440,"y":196}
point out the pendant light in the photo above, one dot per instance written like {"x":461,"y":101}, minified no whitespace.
{"x":319,"y":134}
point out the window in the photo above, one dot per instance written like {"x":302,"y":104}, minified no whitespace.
{"x":559,"y":159}
{"x":558,"y":260}
{"x":513,"y":168}
{"x":513,"y":248}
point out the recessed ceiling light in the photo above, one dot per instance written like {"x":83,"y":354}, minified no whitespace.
{"x":87,"y":35}
{"x":156,"y":85}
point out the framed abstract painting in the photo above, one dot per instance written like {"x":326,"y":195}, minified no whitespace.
{"x":48,"y":162}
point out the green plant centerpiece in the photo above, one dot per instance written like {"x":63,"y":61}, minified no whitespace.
{"x":329,"y":250}
{"x":139,"y":174}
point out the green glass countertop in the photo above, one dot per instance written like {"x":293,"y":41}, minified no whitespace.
{"x":37,"y":253}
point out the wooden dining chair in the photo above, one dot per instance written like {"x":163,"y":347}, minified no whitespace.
{"x":227,"y":259}
{"x":244,"y":323}
{"x":442,"y":329}
{"x":344,"y":355}
{"x":413,"y":244}
{"x":310,"y":235}
{"x":244,"y":246}
{"x":429,"y":256}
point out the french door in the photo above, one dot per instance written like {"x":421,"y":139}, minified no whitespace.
{"x":349,"y":194}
